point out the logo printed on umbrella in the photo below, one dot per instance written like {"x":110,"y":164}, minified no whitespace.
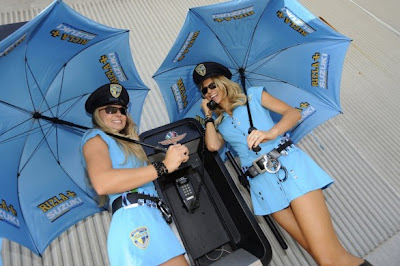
{"x":140,"y":237}
{"x":172,"y":138}
{"x":115,"y":73}
{"x":245,"y":47}
{"x":319,"y":73}
{"x":294,"y":21}
{"x":13,"y":46}
{"x":179,"y":92}
{"x":38,"y":166}
{"x":306,"y":111}
{"x":55,"y":207}
{"x":237,"y":14}
{"x":72,"y":34}
{"x":8,"y":214}
{"x":191,"y":38}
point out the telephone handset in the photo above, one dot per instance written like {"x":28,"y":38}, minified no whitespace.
{"x":187,"y":193}
{"x":212,"y":105}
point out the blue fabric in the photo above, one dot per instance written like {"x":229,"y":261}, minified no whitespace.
{"x":1,"y":246}
{"x":118,"y":159}
{"x":49,"y":66}
{"x":138,"y":235}
{"x":278,"y":44}
{"x":268,"y":193}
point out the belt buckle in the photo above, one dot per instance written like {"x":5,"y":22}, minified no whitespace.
{"x":268,"y":164}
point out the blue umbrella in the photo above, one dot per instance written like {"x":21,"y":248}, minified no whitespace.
{"x":277,"y":44}
{"x":48,"y":67}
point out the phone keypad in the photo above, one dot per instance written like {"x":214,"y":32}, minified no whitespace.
{"x":186,"y":190}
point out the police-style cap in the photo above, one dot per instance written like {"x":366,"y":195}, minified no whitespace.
{"x":107,"y":94}
{"x":207,"y":70}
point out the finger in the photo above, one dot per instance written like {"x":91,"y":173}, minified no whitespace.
{"x":250,"y":143}
{"x":256,"y":143}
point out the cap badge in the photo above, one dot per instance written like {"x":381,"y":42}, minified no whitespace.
{"x":115,"y":90}
{"x":201,"y":70}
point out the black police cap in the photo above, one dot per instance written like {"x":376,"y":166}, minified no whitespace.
{"x":209,"y":69}
{"x":107,"y":94}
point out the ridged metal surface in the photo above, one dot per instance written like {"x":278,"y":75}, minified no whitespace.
{"x":360,"y":148}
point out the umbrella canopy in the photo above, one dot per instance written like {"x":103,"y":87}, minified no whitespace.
{"x":277,"y":44}
{"x":48,"y":68}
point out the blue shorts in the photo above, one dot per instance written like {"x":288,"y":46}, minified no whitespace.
{"x":269,"y":193}
{"x":140,"y":236}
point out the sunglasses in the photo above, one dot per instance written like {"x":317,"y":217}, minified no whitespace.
{"x":211,"y":86}
{"x":112,"y":110}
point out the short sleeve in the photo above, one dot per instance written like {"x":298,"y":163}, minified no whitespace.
{"x":255,"y":93}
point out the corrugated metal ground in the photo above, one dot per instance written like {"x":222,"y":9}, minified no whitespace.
{"x":360,"y":148}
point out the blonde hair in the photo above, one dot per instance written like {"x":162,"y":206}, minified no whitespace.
{"x":129,"y":148}
{"x":232,"y":91}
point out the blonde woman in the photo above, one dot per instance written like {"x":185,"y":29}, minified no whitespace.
{"x":118,"y":169}
{"x":288,"y":186}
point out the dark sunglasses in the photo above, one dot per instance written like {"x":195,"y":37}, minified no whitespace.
{"x":210,"y":86}
{"x":112,"y":110}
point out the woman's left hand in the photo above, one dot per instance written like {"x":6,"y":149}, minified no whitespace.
{"x":258,"y":136}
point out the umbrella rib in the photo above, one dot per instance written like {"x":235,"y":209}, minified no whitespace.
{"x":302,"y":89}
{"x":34,"y":151}
{"x":17,"y":125}
{"x":252,"y":37}
{"x":222,"y":44}
{"x":287,"y":48}
{"x":17,"y":135}
{"x":34,"y":78}
{"x":14,"y":106}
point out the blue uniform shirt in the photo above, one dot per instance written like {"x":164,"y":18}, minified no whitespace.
{"x":118,"y":159}
{"x":269,"y":193}
{"x":138,"y":235}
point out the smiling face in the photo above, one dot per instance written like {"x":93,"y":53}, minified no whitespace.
{"x":213,"y":92}
{"x":115,"y":121}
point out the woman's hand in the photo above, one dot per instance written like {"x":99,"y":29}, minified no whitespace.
{"x":257,"y":136}
{"x":176,"y":154}
{"x":207,"y":111}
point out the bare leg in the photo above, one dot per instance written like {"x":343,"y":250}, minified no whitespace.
{"x":314,"y":221}
{"x":176,"y":261}
{"x":287,"y":221}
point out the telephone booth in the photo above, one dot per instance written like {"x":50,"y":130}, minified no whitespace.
{"x":214,"y":222}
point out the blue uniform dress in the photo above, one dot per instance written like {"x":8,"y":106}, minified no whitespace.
{"x":269,"y":193}
{"x":138,"y":235}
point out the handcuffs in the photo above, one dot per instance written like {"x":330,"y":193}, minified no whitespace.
{"x":269,"y":162}
{"x":165,"y":211}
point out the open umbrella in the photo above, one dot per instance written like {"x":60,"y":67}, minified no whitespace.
{"x":48,"y":68}
{"x":277,"y":44}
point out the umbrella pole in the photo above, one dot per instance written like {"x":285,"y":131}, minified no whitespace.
{"x":55,"y":120}
{"x":243,"y":81}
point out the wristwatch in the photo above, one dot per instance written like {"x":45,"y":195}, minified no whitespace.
{"x":208,"y":119}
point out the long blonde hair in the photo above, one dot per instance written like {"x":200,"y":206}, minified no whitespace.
{"x":129,"y":148}
{"x":232,"y":91}
{"x":130,"y":131}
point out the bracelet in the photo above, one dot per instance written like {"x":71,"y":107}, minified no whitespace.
{"x":160,"y":168}
{"x":208,"y":119}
